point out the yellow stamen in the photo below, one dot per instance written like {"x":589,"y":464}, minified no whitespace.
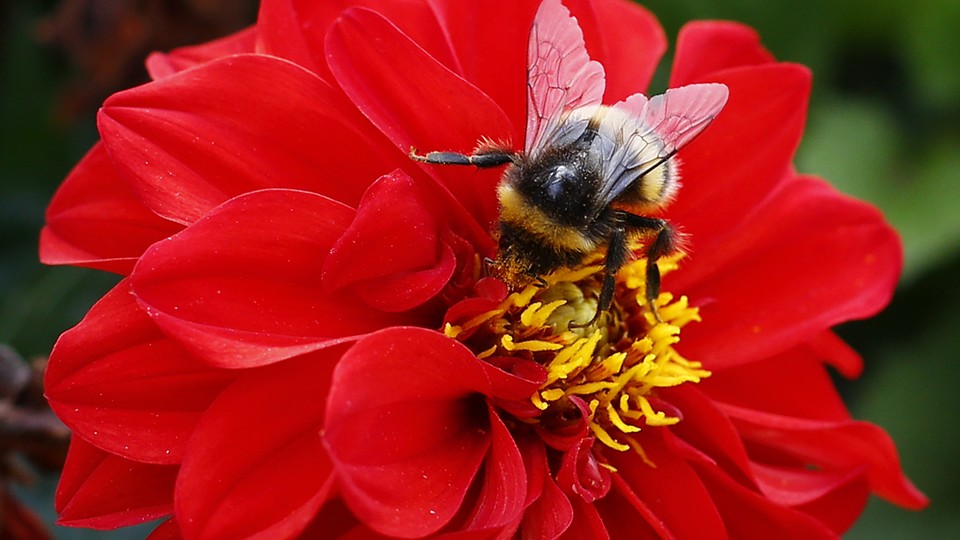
{"x":615,"y":364}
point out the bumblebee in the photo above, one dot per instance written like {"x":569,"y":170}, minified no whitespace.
{"x":589,"y":174}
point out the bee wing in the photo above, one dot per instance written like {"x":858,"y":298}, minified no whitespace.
{"x":654,"y":129}
{"x":560,"y":78}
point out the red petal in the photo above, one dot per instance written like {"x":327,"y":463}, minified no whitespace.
{"x":161,"y":65}
{"x":416,"y":101}
{"x":833,"y":446}
{"x":588,"y":523}
{"x":832,"y":350}
{"x":504,"y":489}
{"x":190,"y":141}
{"x":168,"y":530}
{"x":392,"y":252}
{"x":749,"y":515}
{"x":549,"y":512}
{"x":709,"y":431}
{"x":626,"y":39}
{"x":294,"y":29}
{"x":670,"y":489}
{"x":406,"y":430}
{"x":95,"y":220}
{"x":794,"y":383}
{"x":492,"y":53}
{"x":256,"y":466}
{"x":241,"y":287}
{"x":704,"y":47}
{"x":836,"y":499}
{"x":732,"y":167}
{"x":580,"y":473}
{"x":98,"y":490}
{"x":119,"y":383}
{"x":808,"y":259}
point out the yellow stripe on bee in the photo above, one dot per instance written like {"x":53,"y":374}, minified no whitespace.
{"x":517,"y":211}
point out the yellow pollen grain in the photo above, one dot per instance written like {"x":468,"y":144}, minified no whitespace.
{"x":617,"y":421}
{"x":533,"y":345}
{"x":608,"y":467}
{"x":452,"y":330}
{"x":572,"y":358}
{"x":487,"y":353}
{"x":536,"y":314}
{"x":522,"y":298}
{"x":589,"y":388}
{"x":655,"y":418}
{"x":610,"y":366}
{"x":606,"y":439}
{"x":539,"y":403}
{"x":553,"y":394}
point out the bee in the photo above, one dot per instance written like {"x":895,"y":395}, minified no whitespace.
{"x":589,"y":175}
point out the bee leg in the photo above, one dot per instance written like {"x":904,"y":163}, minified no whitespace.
{"x":663,"y":244}
{"x":482,"y":160}
{"x":617,"y":253}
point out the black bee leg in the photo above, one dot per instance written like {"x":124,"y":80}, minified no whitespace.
{"x":484,"y":159}
{"x":616,"y":255}
{"x":664,"y":243}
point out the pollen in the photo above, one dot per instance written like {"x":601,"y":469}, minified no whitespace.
{"x":617,"y":365}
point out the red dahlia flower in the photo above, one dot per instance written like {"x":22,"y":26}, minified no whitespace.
{"x":303,"y":342}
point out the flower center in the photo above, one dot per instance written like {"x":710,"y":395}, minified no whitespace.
{"x":604,"y":375}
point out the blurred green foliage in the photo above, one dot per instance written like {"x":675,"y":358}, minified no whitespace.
{"x":884,"y":126}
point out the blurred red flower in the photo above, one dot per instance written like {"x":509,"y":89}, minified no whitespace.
{"x":270,"y":365}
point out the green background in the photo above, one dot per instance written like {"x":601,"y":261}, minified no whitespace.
{"x":884,"y":126}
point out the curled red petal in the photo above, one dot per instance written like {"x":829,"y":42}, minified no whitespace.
{"x":374,"y":62}
{"x":120,"y":383}
{"x":835,"y":498}
{"x":96,"y":220}
{"x":99,"y":490}
{"x":160,"y":65}
{"x":806,"y":260}
{"x":704,"y":47}
{"x":504,"y":488}
{"x":832,"y":350}
{"x":242,"y":286}
{"x":580,"y":473}
{"x":550,"y":515}
{"x":392,"y":254}
{"x":407,"y":429}
{"x":256,"y":466}
{"x":188,"y":142}
{"x":835,"y":445}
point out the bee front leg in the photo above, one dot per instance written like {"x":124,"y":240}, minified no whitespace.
{"x":664,"y":243}
{"x":482,"y":160}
